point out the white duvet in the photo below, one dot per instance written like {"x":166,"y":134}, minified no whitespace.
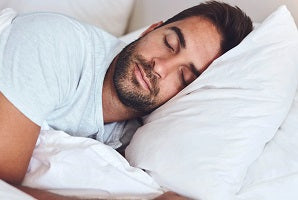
{"x":85,"y":167}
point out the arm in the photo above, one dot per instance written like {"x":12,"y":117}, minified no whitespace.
{"x":170,"y":196}
{"x":18,"y":137}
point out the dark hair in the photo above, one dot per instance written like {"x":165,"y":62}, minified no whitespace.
{"x":231,"y":22}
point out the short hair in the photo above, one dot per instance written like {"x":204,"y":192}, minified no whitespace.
{"x":231,"y":22}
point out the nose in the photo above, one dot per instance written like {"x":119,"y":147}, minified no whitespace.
{"x":162,"y":67}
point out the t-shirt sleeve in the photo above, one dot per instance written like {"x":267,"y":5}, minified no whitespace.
{"x":39,"y":55}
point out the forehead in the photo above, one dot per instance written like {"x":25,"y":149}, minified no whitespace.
{"x":198,"y":28}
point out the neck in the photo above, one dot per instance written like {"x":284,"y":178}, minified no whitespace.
{"x":113,"y":109}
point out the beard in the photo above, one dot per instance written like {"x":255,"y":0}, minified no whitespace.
{"x":128,"y":89}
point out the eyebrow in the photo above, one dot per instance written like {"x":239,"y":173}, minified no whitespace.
{"x":180,"y":35}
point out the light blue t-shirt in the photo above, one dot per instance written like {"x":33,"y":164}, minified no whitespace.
{"x":52,"y":69}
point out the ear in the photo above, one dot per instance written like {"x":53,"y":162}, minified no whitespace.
{"x":151,"y":28}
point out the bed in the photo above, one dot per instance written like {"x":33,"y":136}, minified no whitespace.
{"x":230,"y":135}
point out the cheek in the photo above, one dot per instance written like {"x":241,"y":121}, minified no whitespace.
{"x":169,"y":89}
{"x":150,"y":48}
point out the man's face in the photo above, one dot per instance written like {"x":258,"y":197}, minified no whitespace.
{"x":156,"y":67}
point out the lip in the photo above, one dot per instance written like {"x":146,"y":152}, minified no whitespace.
{"x":141,"y":77}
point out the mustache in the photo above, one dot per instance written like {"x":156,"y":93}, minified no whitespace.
{"x":147,"y":66}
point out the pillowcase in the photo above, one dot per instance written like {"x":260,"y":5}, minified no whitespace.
{"x":274,"y":175}
{"x":201,"y":142}
{"x":111,"y":16}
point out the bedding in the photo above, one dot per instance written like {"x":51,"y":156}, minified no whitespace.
{"x":85,"y":167}
{"x":274,"y":175}
{"x":201,"y":143}
{"x":11,"y":193}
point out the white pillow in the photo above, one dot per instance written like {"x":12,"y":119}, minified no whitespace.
{"x":112,"y":16}
{"x":201,"y":143}
{"x":274,"y":175}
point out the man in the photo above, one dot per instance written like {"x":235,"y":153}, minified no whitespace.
{"x":71,"y":75}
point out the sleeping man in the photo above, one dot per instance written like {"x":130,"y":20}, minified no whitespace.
{"x":79,"y":79}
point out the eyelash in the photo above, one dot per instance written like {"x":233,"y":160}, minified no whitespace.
{"x":167,"y":44}
{"x":182,"y":79}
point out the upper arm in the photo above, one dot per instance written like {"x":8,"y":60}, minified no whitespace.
{"x":18,"y":137}
{"x":38,"y":75}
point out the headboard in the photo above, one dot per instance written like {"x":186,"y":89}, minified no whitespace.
{"x":147,"y":12}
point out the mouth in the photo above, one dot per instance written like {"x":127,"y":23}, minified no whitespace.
{"x":141,"y":78}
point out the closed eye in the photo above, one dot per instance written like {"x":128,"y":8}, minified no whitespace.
{"x":183,"y":81}
{"x":167,"y":44}
{"x":187,"y":76}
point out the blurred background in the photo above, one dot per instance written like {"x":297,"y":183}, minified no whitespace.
{"x":146,"y":12}
{"x":122,"y":16}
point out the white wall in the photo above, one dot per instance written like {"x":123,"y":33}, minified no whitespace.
{"x":147,"y":12}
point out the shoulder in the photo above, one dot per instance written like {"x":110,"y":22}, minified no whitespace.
{"x":45,"y":18}
{"x":49,"y":25}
